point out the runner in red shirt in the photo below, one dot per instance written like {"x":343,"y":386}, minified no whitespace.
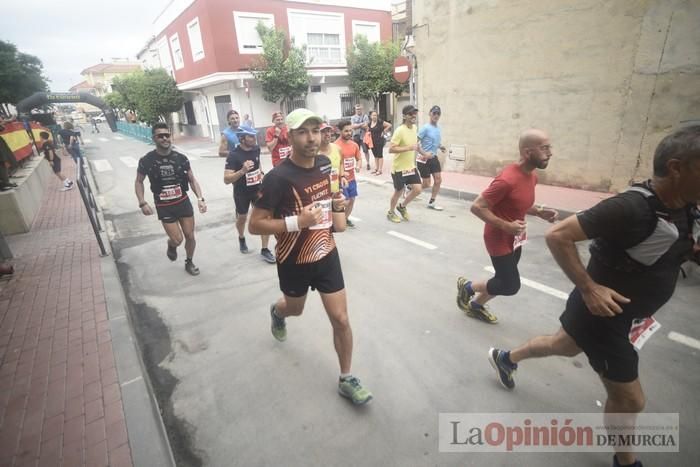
{"x":502,"y":206}
{"x":277,"y":139}
{"x":352,"y":161}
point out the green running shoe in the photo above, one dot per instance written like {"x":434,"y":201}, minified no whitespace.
{"x":464,"y":293}
{"x":279,"y":327}
{"x":353,"y":390}
{"x":480,"y":312}
{"x":391,"y":215}
{"x":403,"y":211}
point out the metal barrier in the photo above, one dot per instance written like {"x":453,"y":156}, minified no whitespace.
{"x":140,"y":132}
{"x":90,"y":204}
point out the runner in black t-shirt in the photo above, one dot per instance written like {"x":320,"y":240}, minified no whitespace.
{"x":640,"y":239}
{"x":295,"y":205}
{"x":244,"y":171}
{"x":170,"y":175}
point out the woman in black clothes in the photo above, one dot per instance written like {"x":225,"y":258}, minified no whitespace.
{"x":377,"y":128}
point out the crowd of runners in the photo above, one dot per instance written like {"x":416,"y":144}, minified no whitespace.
{"x":640,"y":236}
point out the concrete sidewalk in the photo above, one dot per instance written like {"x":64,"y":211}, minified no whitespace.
{"x":62,"y":389}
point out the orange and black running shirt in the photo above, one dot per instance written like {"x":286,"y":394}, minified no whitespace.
{"x":285,"y":190}
{"x":168,"y":175}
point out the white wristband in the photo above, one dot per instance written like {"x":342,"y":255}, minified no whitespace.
{"x":292,"y":223}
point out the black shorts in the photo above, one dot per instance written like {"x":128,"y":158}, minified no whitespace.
{"x":325,"y":275}
{"x":244,"y":200}
{"x":56,"y":164}
{"x":401,"y":180}
{"x":431,"y":166}
{"x":173,"y":212}
{"x":605,"y":341}
{"x":360,"y":143}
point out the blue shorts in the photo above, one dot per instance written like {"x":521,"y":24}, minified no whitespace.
{"x":350,"y":191}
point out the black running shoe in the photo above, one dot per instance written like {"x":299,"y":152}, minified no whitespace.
{"x":191,"y":268}
{"x":172,"y":252}
{"x":242,"y":245}
{"x":267,"y":256}
{"x":504,"y":370}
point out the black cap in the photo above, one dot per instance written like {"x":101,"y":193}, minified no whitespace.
{"x":435,"y":109}
{"x":408,"y":109}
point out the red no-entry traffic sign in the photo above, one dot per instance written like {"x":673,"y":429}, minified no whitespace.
{"x":402,"y":69}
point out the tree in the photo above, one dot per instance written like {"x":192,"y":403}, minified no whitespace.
{"x":20,"y":74}
{"x":152,"y":95}
{"x":281,"y":69}
{"x":371,"y":69}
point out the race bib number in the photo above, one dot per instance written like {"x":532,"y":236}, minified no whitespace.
{"x":285,"y":152}
{"x":642,"y":330}
{"x":520,"y":239}
{"x":349,"y":164}
{"x":408,"y":173}
{"x":170,"y":193}
{"x":334,"y":175}
{"x":253,"y":178}
{"x":421,"y":159}
{"x":326,"y":215}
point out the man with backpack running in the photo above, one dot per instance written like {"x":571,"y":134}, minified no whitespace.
{"x":640,"y":239}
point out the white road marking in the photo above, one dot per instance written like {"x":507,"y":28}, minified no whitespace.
{"x":119,"y":138}
{"x":355,"y":219}
{"x":129,"y":161}
{"x":104,"y":140}
{"x":415,"y":241}
{"x":537,"y":286}
{"x":101,"y":165}
{"x":685,"y":340}
{"x":138,"y":378}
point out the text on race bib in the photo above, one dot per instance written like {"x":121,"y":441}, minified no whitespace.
{"x":334,"y":175}
{"x":349,"y":164}
{"x":520,"y":239}
{"x":408,"y":173}
{"x":253,"y":178}
{"x":285,"y":151}
{"x":420,"y":158}
{"x":170,"y":192}
{"x":326,"y":215}
{"x":642,"y":330}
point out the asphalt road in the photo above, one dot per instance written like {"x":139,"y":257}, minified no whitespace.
{"x":232,"y":395}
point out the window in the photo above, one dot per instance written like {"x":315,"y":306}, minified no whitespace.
{"x":315,"y":88}
{"x":177,"y":52}
{"x":195,"y":36}
{"x":164,"y":55}
{"x":247,"y":36}
{"x":189,"y":113}
{"x":322,"y":33}
{"x":323,"y":49}
{"x":365,"y":28}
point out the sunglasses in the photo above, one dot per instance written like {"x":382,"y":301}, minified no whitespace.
{"x":162,"y":135}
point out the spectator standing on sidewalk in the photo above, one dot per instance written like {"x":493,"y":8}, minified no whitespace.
{"x":229,"y":137}
{"x":377,"y":128}
{"x":50,"y":154}
{"x":502,"y":207}
{"x":360,"y":124}
{"x":247,"y":121}
{"x":640,"y":239}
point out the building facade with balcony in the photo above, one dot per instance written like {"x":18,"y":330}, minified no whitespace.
{"x":210,"y":46}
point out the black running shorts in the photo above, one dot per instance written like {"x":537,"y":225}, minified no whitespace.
{"x":324,"y":275}
{"x":605,"y":343}
{"x":402,"y":179}
{"x":244,"y":200}
{"x":170,"y":214}
{"x":431,"y":166}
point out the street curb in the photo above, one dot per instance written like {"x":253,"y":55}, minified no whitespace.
{"x":147,"y":436}
{"x":455,"y":193}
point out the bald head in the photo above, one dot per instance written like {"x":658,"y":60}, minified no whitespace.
{"x":531,"y":137}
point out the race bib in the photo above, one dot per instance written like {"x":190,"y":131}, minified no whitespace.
{"x":642,"y":330}
{"x":170,"y":193}
{"x":326,"y":215}
{"x":520,"y":239}
{"x":285,"y":152}
{"x":408,"y":173}
{"x":253,"y":178}
{"x":349,"y":164}
{"x":421,"y":159}
{"x":334,"y":175}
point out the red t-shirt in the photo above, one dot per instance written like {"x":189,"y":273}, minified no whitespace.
{"x":509,"y":196}
{"x":282,"y":149}
{"x":350,"y":152}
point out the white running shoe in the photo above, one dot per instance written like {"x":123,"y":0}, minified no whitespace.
{"x":434,"y":206}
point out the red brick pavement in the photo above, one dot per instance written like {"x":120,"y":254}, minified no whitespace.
{"x":60,"y":401}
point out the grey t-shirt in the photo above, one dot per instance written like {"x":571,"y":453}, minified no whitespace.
{"x":358,"y":119}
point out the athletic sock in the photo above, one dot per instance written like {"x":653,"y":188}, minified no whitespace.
{"x":188,"y":260}
{"x":432,"y":200}
{"x":344,"y":376}
{"x":506,"y":358}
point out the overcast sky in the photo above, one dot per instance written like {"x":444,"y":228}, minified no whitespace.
{"x":72,"y":35}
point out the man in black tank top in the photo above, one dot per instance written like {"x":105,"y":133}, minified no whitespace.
{"x":170,"y":176}
{"x":296,"y":206}
{"x":640,"y":239}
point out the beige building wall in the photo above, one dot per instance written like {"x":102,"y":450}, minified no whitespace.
{"x":608,"y":79}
